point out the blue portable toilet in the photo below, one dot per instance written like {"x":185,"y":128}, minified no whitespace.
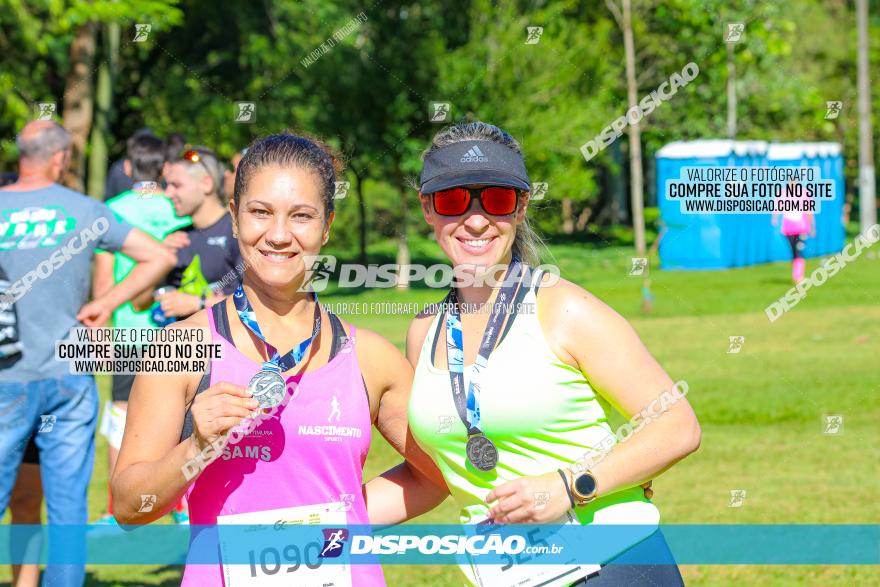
{"x":830,"y":232}
{"x":721,"y":241}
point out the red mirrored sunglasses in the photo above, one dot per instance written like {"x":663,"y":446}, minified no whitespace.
{"x":495,"y":200}
{"x":195,"y":156}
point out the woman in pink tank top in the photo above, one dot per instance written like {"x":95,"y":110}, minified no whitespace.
{"x":796,"y":225}
{"x":239,"y":451}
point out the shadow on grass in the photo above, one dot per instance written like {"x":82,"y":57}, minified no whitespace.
{"x":777,"y":281}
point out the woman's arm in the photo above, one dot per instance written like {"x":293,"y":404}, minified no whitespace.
{"x":586,"y":333}
{"x":401,"y":493}
{"x":415,"y":486}
{"x":152,"y":460}
{"x":152,"y":457}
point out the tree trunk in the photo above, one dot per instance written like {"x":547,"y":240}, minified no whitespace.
{"x":583,"y":218}
{"x":731,"y":93}
{"x":403,"y":257}
{"x":567,"y":216}
{"x":635,"y":135}
{"x":362,"y":212}
{"x":867,"y":186}
{"x":619,"y":209}
{"x":99,"y":153}
{"x":79,"y":101}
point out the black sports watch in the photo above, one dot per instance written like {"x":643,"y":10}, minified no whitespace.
{"x":584,"y":487}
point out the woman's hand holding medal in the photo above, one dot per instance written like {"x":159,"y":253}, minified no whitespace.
{"x":218,"y":409}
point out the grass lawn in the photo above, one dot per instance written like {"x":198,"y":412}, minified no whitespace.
{"x":761,"y":410}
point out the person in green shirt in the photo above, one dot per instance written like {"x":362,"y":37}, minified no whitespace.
{"x":148,"y":208}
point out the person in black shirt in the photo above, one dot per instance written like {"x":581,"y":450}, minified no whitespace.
{"x":194,"y":182}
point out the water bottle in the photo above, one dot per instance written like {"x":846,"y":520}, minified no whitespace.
{"x":157,"y":316}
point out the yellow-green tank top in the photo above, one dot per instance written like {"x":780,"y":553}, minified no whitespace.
{"x":540,"y":413}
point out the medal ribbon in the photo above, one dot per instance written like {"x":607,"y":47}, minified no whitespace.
{"x":469,"y":406}
{"x":276,"y":362}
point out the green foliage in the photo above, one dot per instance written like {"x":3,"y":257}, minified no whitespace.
{"x":548,"y":94}
{"x":35,"y":39}
{"x":368,"y":93}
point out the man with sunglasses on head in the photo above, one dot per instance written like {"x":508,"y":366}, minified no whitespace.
{"x":194,"y":184}
{"x":144,"y":206}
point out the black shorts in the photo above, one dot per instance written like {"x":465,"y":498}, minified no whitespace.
{"x":31,"y":453}
{"x":796,"y":242}
{"x":625,"y":568}
{"x":122,"y":383}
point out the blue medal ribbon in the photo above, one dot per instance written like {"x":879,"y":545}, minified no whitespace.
{"x":276,"y":361}
{"x":468,"y":405}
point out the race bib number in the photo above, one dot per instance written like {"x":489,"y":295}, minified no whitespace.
{"x":293,"y":565}
{"x":545,"y":544}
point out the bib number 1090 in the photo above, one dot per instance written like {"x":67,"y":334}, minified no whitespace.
{"x":273,"y":563}
{"x":270,"y":561}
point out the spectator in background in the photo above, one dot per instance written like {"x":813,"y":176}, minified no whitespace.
{"x":147,"y":208}
{"x":174,"y":145}
{"x":24,"y":507}
{"x":119,"y":175}
{"x":229,"y":176}
{"x":795,"y":227}
{"x":52,"y":222}
{"x":27,"y":495}
{"x":207,"y":251}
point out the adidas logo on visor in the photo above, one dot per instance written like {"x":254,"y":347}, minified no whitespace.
{"x":474,"y":155}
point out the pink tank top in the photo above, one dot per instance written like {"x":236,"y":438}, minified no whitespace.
{"x":795,"y":223}
{"x":312,"y":451}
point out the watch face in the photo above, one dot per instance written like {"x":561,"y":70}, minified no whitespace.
{"x":585,"y":484}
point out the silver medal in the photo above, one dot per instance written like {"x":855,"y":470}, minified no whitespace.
{"x":481,"y":452}
{"x":267,"y":388}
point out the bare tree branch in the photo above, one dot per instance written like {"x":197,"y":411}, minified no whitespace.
{"x":615,"y":11}
{"x":273,"y":23}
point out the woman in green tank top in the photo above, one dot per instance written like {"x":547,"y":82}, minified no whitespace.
{"x":511,"y":413}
